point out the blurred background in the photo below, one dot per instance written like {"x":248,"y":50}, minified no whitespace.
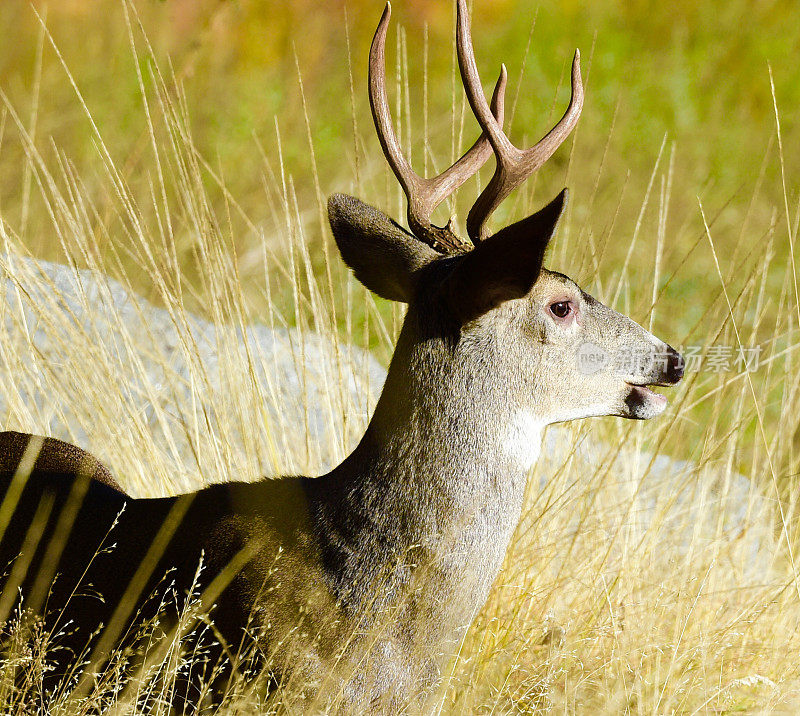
{"x":695,"y":74}
{"x":271,"y":99}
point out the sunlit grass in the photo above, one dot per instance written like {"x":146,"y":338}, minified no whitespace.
{"x":616,"y":595}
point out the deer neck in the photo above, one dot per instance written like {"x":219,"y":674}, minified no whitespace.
{"x":438,"y":479}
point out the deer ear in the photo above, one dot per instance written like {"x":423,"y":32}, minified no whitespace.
{"x":383,"y":255}
{"x":504,"y":266}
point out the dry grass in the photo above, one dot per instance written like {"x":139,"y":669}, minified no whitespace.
{"x":598,"y":610}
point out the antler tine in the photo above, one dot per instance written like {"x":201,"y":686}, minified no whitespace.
{"x":424,"y":194}
{"x":514,"y":165}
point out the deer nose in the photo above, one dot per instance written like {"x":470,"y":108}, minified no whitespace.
{"x":674,"y":365}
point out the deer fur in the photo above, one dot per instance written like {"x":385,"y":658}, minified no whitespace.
{"x":385,"y":560}
{"x":51,"y":456}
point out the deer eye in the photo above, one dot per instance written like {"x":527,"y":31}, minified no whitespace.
{"x":560,"y":309}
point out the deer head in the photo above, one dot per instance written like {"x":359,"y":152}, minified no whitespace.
{"x":485,"y":319}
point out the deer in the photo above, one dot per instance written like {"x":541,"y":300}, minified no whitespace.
{"x":386,"y":559}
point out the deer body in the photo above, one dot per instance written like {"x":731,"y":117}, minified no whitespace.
{"x":324,"y":544}
{"x":374,"y":571}
{"x":112,"y":534}
{"x":399,"y":508}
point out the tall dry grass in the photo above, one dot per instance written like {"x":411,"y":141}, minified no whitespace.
{"x":632,"y":585}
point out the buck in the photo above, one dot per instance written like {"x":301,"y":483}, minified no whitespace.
{"x":385,"y":560}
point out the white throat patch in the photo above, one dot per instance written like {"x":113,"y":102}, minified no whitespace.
{"x":522,"y":439}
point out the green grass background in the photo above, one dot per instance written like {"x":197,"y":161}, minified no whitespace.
{"x":693,"y":73}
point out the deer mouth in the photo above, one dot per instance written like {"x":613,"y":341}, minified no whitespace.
{"x":643,"y":402}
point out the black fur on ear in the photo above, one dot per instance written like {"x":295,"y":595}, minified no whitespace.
{"x":504,"y":266}
{"x":383,"y":255}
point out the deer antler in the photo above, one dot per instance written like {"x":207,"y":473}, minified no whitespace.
{"x":513,"y":165}
{"x":424,"y":194}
